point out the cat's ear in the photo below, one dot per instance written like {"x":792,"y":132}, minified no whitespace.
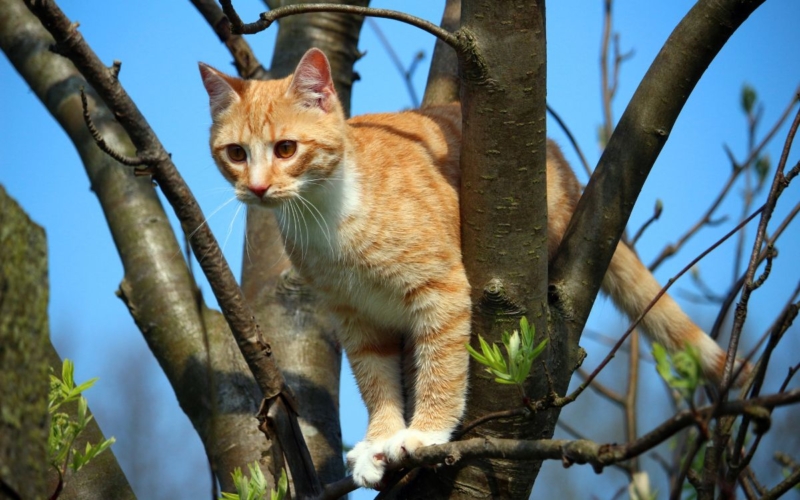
{"x":312,"y":82}
{"x":221,"y":88}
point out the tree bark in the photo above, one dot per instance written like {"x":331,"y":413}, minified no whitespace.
{"x":443,"y":85}
{"x":24,"y":368}
{"x":25,"y":361}
{"x":504,"y":235}
{"x":157,"y":288}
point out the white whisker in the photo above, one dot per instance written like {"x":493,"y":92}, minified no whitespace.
{"x":320,"y":221}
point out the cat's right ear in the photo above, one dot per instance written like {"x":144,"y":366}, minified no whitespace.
{"x":312,"y":81}
{"x":221,"y":88}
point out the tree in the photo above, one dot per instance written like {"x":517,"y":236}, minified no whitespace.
{"x":498,"y":88}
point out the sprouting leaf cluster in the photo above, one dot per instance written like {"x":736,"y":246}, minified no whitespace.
{"x":680,"y":370}
{"x":255,"y":487}
{"x":64,"y":431}
{"x":520,"y":350}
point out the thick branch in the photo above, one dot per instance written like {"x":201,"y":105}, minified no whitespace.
{"x":443,"y":85}
{"x":605,"y":207}
{"x":257,"y":353}
{"x":157,"y":287}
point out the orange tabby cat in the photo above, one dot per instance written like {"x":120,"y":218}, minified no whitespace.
{"x":368,"y":211}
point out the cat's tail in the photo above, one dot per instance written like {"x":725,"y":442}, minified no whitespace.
{"x":632,"y":287}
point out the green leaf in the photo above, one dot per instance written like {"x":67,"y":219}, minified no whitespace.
{"x":283,"y":487}
{"x":748,"y":98}
{"x":763,"y":166}
{"x":680,"y":370}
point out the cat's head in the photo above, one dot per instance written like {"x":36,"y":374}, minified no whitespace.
{"x":275,"y":140}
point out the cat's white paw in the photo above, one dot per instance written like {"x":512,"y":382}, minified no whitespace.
{"x":406,"y":442}
{"x":367,"y":463}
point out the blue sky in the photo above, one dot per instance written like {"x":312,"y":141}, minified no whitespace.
{"x":160,"y":43}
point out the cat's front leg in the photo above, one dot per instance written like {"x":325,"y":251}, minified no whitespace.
{"x":375,"y":360}
{"x":441,"y":366}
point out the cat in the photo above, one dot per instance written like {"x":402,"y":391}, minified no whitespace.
{"x":368,"y":212}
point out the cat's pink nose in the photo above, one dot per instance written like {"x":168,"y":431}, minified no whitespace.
{"x":258,"y":190}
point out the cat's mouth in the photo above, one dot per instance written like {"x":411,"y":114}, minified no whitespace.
{"x":268,"y":199}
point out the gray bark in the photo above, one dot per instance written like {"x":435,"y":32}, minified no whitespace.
{"x":157,"y":288}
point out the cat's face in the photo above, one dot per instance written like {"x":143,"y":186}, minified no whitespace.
{"x":276,"y":140}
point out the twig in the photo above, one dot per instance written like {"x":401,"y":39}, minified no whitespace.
{"x":572,"y":140}
{"x":790,"y":482}
{"x":569,"y":452}
{"x":571,"y":397}
{"x":130,"y":161}
{"x":629,"y":403}
{"x":722,"y":432}
{"x":405,"y":74}
{"x":602,"y":390}
{"x":706,"y":219}
{"x":677,"y":488}
{"x":656,"y":214}
{"x":732,"y":293}
{"x":267,"y":18}
{"x":776,"y":189}
{"x":247,"y":64}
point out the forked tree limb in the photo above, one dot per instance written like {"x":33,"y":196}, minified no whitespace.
{"x":256,"y":350}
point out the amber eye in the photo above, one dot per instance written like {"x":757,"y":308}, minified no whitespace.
{"x":236,"y":153}
{"x":285,"y":149}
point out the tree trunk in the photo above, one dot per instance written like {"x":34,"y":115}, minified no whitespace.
{"x":25,"y":362}
{"x":157,"y":288}
{"x":504,"y":236}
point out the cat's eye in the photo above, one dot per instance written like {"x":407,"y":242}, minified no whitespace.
{"x":236,"y":153}
{"x":285,"y":149}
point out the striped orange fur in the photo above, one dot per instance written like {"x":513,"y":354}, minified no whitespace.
{"x":368,"y":211}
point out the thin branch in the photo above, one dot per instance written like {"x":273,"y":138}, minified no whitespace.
{"x":722,"y":431}
{"x":590,"y":240}
{"x":247,"y":64}
{"x":571,"y":452}
{"x":572,"y":140}
{"x":267,"y":18}
{"x":787,"y":484}
{"x":776,"y":189}
{"x":656,"y":214}
{"x":631,"y":391}
{"x":602,"y":390}
{"x":130,"y":161}
{"x":732,"y":293}
{"x":398,"y":64}
{"x":737,"y":168}
{"x":571,"y":397}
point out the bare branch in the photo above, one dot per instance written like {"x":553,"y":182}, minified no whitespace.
{"x":572,"y":140}
{"x":130,"y":161}
{"x":247,"y":64}
{"x":267,"y":18}
{"x":256,"y":351}
{"x":737,"y":168}
{"x":582,"y":259}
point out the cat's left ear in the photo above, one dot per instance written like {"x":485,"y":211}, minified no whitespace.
{"x":312,"y":81}
{"x":222,"y":89}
